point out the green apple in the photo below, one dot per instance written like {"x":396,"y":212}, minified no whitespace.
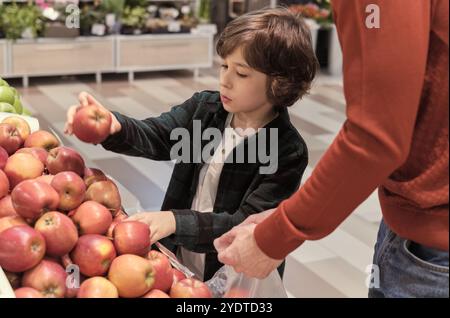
{"x":26,"y":112}
{"x":18,"y":105}
{"x":3,"y":82}
{"x":7,"y":95}
{"x":7,"y":108}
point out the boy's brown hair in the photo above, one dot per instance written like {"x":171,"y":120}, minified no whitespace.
{"x":276,"y":42}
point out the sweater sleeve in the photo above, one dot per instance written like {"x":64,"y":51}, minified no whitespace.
{"x":384,"y":71}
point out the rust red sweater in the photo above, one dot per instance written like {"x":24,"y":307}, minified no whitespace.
{"x":395,"y":136}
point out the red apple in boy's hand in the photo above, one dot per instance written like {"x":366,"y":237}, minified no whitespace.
{"x":92,"y":124}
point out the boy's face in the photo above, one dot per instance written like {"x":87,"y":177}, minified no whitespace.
{"x":242,"y":88}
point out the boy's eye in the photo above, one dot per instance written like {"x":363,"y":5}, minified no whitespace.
{"x":242,"y":75}
{"x":224,"y":66}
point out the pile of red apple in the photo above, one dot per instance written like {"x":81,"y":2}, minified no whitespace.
{"x":55,"y":212}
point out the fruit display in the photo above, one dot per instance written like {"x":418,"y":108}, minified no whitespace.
{"x":55,"y":213}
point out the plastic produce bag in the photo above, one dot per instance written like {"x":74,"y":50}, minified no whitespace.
{"x":226,"y":283}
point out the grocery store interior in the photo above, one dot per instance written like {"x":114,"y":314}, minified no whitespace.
{"x":156,"y":56}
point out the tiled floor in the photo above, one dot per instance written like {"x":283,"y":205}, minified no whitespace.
{"x":332,"y":267}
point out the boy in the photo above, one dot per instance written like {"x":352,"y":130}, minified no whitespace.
{"x":268,"y":64}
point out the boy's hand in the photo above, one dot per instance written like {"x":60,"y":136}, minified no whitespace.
{"x":257,"y":217}
{"x":162,"y":224}
{"x":85,"y":99}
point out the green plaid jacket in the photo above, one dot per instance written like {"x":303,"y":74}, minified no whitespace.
{"x":242,"y":190}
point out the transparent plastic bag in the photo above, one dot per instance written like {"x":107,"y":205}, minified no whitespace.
{"x":226,"y":283}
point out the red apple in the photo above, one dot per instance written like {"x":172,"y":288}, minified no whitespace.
{"x":41,"y":139}
{"x":3,"y":157}
{"x":33,"y":198}
{"x":27,"y":292}
{"x":65,"y":159}
{"x":92,"y":175}
{"x":93,"y":254}
{"x":132,"y":238}
{"x":21,"y":125}
{"x":92,"y":124}
{"x":10,"y":138}
{"x":38,"y":153}
{"x":156,"y":293}
{"x":163,"y":270}
{"x":4,"y":184}
{"x":97,"y":287}
{"x":177,"y":276}
{"x":10,"y":221}
{"x":92,"y":218}
{"x":14,"y":279}
{"x":47,"y":277}
{"x":190,"y":288}
{"x":22,"y":166}
{"x":21,"y":248}
{"x":6,"y":207}
{"x":59,"y":232}
{"x":132,"y":275}
{"x":106,"y":193}
{"x":71,"y":190}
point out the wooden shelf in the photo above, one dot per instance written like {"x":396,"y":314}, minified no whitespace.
{"x":97,"y":55}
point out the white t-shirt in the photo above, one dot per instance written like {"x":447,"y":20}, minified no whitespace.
{"x":208,"y":184}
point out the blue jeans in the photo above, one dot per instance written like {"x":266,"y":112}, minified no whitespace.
{"x":407,"y":269}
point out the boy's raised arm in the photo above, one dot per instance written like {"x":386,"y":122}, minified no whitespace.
{"x":150,"y":138}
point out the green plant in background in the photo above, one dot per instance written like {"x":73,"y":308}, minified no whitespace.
{"x":204,"y":11}
{"x":2,"y":8}
{"x":16,"y":19}
{"x":90,"y":16}
{"x":113,"y":6}
{"x":135,"y":17}
{"x":136,"y":3}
